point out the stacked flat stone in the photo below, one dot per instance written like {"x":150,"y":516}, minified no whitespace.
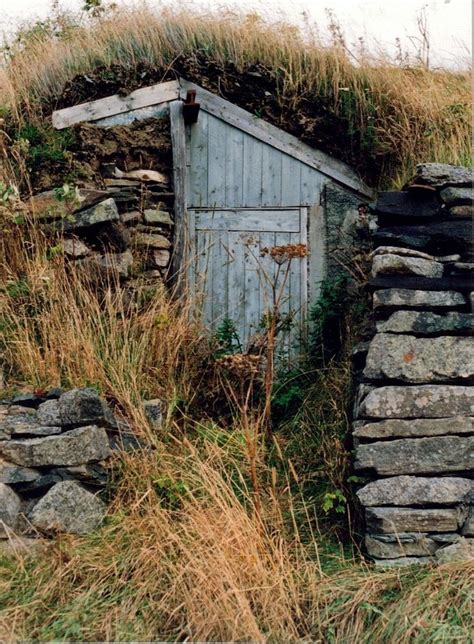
{"x":53,"y":462}
{"x":414,"y":427}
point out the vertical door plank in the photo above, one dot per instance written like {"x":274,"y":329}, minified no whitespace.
{"x":234,"y":167}
{"x":197,"y":195}
{"x":252,"y":180}
{"x":271,"y":176}
{"x":236,"y":281}
{"x":216,"y":141}
{"x":290,"y":181}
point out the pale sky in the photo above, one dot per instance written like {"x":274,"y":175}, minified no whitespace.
{"x":381,"y":21}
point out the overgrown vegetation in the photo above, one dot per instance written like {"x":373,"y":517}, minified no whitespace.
{"x":382,"y":116}
{"x":228,"y":527}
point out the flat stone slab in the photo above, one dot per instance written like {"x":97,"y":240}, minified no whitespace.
{"x":155,"y":242}
{"x":403,"y":562}
{"x":404,"y":297}
{"x":415,"y":427}
{"x":420,"y":401}
{"x":110,"y":264}
{"x":20,"y":425}
{"x":419,"y":360}
{"x":421,"y":547}
{"x":438,"y":454}
{"x":75,"y":447}
{"x":411,"y":252}
{"x":394,"y":520}
{"x":416,"y":490}
{"x":457,"y":196}
{"x":399,"y":265}
{"x":439,"y":175}
{"x":68,"y":507}
{"x":12,"y":474}
{"x":463,"y":550}
{"x":100,"y":213}
{"x":427,"y":323}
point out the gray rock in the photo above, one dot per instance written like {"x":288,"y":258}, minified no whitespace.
{"x":157,"y":216}
{"x":68,"y":507}
{"x":457,"y":196}
{"x":402,"y":562}
{"x":100,"y":213}
{"x":400,"y":265}
{"x":74,"y":447}
{"x":92,"y":474}
{"x":111,"y":265}
{"x":442,"y":174}
{"x":161,"y":258}
{"x":462,"y":211}
{"x":395,"y":250}
{"x":468,"y":527}
{"x":463,"y":550}
{"x":25,"y":425}
{"x":394,"y":520}
{"x":12,"y":474}
{"x":401,"y":297}
{"x":154,"y":412}
{"x":414,"y":490}
{"x":156,"y":241}
{"x":418,"y":360}
{"x":415,"y":427}
{"x":448,"y":537}
{"x":74,"y":247}
{"x":10,"y":506}
{"x":48,"y":414}
{"x":437,"y":454}
{"x":421,"y":547}
{"x":427,"y":323}
{"x":27,"y":546}
{"x":464,"y":267}
{"x":421,"y":401}
{"x":84,"y":407}
{"x":131,"y":217}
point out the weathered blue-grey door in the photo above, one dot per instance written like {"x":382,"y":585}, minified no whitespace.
{"x":236,"y":275}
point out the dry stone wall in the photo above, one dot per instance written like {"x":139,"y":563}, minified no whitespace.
{"x":111,"y":215}
{"x":55,"y":460}
{"x":414,"y":427}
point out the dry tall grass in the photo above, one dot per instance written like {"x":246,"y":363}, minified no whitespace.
{"x":402,"y":114}
{"x":182,"y":554}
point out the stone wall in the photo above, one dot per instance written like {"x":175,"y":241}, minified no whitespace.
{"x":55,"y":456}
{"x":111,"y":213}
{"x":414,"y":427}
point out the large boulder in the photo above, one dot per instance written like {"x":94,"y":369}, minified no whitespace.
{"x":10,"y":506}
{"x":416,"y":490}
{"x":84,"y":407}
{"x":421,"y":401}
{"x":75,"y":447}
{"x":438,"y":454}
{"x":68,"y":507}
{"x":418,"y":360}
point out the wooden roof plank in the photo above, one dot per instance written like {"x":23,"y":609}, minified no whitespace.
{"x":112,"y":105}
{"x":277,"y":138}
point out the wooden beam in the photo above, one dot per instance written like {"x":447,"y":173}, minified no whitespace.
{"x":178,"y":143}
{"x":263,"y":131}
{"x":112,"y":105}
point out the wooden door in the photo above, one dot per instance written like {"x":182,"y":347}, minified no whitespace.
{"x":236,"y":276}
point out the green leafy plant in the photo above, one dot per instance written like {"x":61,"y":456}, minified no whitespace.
{"x":334,"y":501}
{"x":227,"y":338}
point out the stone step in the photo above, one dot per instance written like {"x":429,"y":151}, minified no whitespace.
{"x":437,"y":454}
{"x":420,"y":401}
{"x":390,"y":298}
{"x":396,"y":520}
{"x":417,"y":490}
{"x":415,"y":428}
{"x":427,"y":323}
{"x":419,"y":360}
